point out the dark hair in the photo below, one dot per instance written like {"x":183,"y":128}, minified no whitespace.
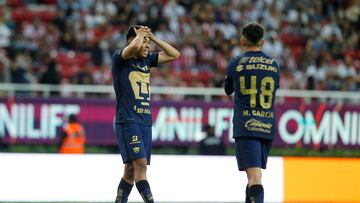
{"x":253,"y":32}
{"x":72,"y":118}
{"x":131,"y":32}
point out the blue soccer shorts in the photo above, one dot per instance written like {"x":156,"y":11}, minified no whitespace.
{"x":134,"y":141}
{"x":252,"y":152}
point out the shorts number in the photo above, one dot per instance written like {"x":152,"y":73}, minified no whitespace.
{"x":266,"y":91}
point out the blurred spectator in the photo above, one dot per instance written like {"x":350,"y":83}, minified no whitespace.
{"x":83,"y":35}
{"x":105,"y":7}
{"x":50,"y":75}
{"x":102,"y":75}
{"x":211,"y":145}
{"x":34,"y":31}
{"x":72,"y":139}
{"x":165,"y":34}
{"x":94,"y":19}
{"x":5,"y":68}
{"x":71,"y":8}
{"x":173,"y":11}
{"x":273,"y":46}
{"x":188,"y":54}
{"x":5,"y":34}
{"x":59,"y":20}
{"x":84,"y":76}
{"x":227,"y":28}
{"x":272,"y":15}
{"x":20,"y":69}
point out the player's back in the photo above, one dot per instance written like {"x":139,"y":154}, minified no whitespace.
{"x":254,"y":78}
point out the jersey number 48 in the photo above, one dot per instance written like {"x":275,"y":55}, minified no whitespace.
{"x":266,"y":91}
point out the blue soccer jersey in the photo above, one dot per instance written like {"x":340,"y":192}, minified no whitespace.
{"x":254,"y":77}
{"x":131,"y":79}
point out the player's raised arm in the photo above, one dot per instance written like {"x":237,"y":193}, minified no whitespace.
{"x":168,"y":54}
{"x":134,"y":44}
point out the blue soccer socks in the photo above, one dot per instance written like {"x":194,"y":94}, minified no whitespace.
{"x":123,"y":192}
{"x":144,"y":189}
{"x":256,"y":193}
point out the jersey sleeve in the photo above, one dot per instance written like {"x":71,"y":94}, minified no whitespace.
{"x":117,"y":57}
{"x":153,"y":59}
{"x":228,"y":84}
{"x":277,"y":85}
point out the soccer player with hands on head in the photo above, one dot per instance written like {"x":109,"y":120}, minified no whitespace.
{"x":133,"y":120}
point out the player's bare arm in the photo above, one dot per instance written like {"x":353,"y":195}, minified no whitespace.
{"x":136,"y":44}
{"x":168,"y":54}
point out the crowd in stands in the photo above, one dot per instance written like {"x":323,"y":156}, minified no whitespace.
{"x":317,"y":43}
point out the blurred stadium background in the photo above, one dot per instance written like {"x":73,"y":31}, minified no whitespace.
{"x":55,"y":58}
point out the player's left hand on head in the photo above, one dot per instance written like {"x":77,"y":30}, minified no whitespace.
{"x":150,"y":35}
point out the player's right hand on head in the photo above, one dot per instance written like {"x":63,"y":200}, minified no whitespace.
{"x":142,"y":31}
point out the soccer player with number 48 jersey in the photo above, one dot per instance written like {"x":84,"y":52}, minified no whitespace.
{"x":254,"y":77}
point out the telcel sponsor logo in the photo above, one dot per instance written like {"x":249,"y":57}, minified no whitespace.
{"x":19,"y":120}
{"x":328,"y":131}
